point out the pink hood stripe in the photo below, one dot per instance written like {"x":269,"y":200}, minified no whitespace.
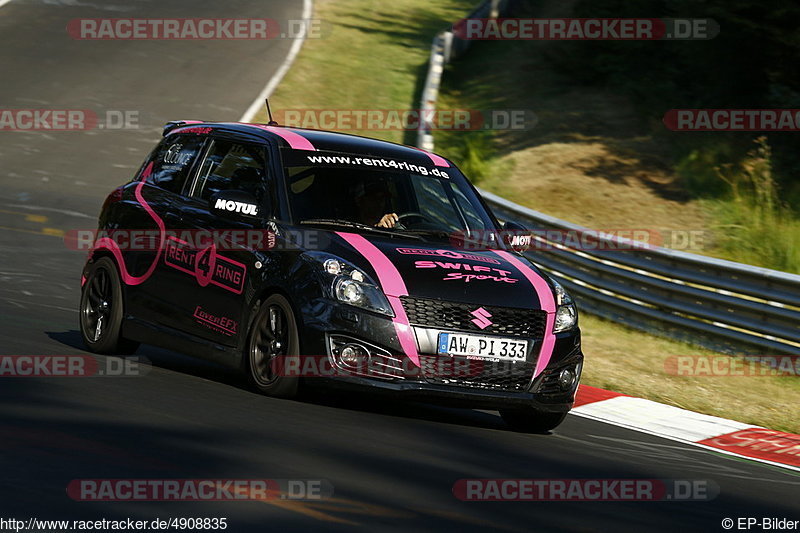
{"x":547,"y":303}
{"x":393,"y":285}
{"x":295,"y":140}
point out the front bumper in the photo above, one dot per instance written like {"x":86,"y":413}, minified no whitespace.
{"x":448,"y":395}
{"x":541,"y":393}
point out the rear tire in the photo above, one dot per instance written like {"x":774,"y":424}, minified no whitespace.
{"x":531,"y":420}
{"x":271,"y":342}
{"x":102,"y":310}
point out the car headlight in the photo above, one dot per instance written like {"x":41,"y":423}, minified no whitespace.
{"x":347,"y":284}
{"x":566,"y":312}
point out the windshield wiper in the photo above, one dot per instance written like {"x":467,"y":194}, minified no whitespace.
{"x":359,"y":225}
{"x":452,"y":237}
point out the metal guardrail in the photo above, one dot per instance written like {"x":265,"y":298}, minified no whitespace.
{"x":721,"y":304}
{"x":447,"y":46}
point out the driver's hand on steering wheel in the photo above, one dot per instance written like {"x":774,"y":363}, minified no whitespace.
{"x":388,"y":221}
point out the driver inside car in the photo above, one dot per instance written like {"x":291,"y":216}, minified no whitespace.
{"x":371,"y":199}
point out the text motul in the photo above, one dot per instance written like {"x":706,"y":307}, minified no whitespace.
{"x":236,"y":207}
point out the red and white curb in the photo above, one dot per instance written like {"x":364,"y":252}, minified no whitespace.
{"x":710,"y":432}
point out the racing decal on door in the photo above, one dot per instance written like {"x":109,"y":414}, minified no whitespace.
{"x":206,"y":265}
{"x":236,"y":207}
{"x":109,"y":244}
{"x":220,"y":324}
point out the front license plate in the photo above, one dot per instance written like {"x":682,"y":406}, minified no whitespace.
{"x":482,"y":347}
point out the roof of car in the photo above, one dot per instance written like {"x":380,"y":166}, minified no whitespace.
{"x":313,"y":140}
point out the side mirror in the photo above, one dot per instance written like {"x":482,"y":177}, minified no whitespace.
{"x":516,"y":236}
{"x":234,"y":204}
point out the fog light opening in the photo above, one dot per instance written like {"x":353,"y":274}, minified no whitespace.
{"x":354,"y":355}
{"x":567,"y":378}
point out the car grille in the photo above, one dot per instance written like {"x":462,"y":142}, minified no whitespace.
{"x":459,"y":371}
{"x":506,"y":321}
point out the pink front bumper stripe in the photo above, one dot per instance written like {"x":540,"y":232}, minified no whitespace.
{"x":393,"y":286}
{"x":546,"y":302}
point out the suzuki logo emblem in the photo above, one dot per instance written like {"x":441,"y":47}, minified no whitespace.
{"x":481,"y":318}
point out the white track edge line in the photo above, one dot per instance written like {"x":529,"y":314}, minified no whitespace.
{"x":258,"y":103}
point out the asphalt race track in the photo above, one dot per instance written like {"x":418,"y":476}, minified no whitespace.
{"x":393,"y":466}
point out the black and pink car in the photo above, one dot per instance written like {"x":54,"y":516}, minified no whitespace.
{"x":357,"y":276}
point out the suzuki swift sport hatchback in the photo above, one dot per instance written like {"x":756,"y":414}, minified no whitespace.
{"x":306,"y":256}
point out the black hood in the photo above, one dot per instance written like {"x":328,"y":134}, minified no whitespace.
{"x":440,"y":271}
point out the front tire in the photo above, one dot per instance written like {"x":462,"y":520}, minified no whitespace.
{"x":531,"y":420}
{"x":102,"y":309}
{"x":272,"y":342}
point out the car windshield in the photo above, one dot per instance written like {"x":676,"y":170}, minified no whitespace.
{"x":360,"y":191}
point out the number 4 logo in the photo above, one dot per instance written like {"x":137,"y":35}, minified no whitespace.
{"x":204,"y":265}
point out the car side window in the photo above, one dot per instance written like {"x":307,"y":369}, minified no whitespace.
{"x":173,"y":160}
{"x":468,"y":210}
{"x":231,"y":166}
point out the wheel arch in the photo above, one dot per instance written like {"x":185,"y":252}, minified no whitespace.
{"x":255,"y":306}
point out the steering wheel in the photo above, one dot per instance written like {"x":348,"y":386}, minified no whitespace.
{"x":410,"y":214}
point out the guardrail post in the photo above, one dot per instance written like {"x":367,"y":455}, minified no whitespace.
{"x":447,"y":46}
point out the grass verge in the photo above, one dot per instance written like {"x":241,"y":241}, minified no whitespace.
{"x":376,"y":57}
{"x":628,"y":361}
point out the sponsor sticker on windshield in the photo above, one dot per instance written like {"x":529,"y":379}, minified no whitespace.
{"x":366,"y":161}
